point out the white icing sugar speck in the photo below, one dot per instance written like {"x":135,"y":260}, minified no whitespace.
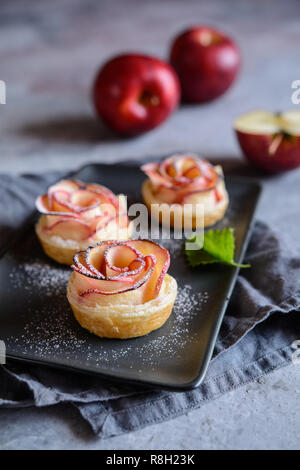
{"x":51,"y":331}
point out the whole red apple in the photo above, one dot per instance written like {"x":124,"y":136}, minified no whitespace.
{"x":206,"y":61}
{"x":134,"y":93}
{"x":270,"y":141}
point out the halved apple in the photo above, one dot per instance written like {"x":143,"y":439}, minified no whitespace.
{"x":271,"y":141}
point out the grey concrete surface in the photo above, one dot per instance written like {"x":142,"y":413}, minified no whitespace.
{"x":49,"y":53}
{"x":261,"y":415}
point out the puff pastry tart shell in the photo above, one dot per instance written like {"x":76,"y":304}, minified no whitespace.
{"x":75,"y":215}
{"x":181,"y":180}
{"x":121,"y":289}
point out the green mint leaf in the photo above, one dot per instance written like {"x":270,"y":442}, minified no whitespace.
{"x":218,"y":247}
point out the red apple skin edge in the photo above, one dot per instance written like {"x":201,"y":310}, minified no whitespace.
{"x":135,"y":93}
{"x":206,"y":61}
{"x":256,"y":149}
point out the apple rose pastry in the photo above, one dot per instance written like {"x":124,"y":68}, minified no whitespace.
{"x":121,"y":289}
{"x":75,"y":215}
{"x":185,"y":179}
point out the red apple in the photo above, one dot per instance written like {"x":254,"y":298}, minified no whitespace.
{"x":134,"y":93}
{"x":206,"y":61}
{"x":270,"y":141}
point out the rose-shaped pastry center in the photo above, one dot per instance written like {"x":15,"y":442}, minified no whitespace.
{"x":179,"y":176}
{"x":179,"y":171}
{"x":112,"y":267}
{"x":77,"y":211}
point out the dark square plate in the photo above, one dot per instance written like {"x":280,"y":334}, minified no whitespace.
{"x":37,"y":323}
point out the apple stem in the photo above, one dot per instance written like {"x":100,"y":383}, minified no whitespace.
{"x":147,"y":98}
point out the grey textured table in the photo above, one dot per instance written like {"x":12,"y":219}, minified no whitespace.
{"x":49,"y":53}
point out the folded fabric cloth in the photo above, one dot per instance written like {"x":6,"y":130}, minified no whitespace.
{"x":260,"y":298}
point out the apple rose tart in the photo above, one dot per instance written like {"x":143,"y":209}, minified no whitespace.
{"x":185,"y":179}
{"x":75,"y":215}
{"x":121,"y":289}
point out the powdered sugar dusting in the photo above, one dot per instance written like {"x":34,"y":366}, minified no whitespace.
{"x":51,"y":332}
{"x":175,"y":247}
{"x":39,"y":275}
{"x":187,"y":307}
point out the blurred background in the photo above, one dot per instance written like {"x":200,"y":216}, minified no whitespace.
{"x":50,"y":52}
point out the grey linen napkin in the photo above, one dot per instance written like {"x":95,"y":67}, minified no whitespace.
{"x":255,"y":334}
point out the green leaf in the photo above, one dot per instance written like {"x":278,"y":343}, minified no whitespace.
{"x":218,"y":247}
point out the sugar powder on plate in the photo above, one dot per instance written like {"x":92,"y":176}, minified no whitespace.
{"x":53,"y":333}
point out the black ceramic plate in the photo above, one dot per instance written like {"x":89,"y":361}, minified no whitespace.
{"x":37,"y":324}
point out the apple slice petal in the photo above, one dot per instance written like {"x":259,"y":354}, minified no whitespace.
{"x":192,"y":172}
{"x":113,"y":267}
{"x":98,"y":222}
{"x":94,"y":256}
{"x":109,"y":226}
{"x":119,"y":285}
{"x":44,"y":207}
{"x":83,"y":200}
{"x":92,"y":209}
{"x":80,"y":265}
{"x":188,"y":163}
{"x":162,"y":256}
{"x":42,"y":204}
{"x":176,"y":165}
{"x":60,"y":201}
{"x":53,"y":217}
{"x":179,"y":174}
{"x":70,"y":229}
{"x":108,"y":287}
{"x":151,"y":170}
{"x":65,"y":185}
{"x":118,"y":257}
{"x":169,"y":167}
{"x":105,"y":194}
{"x":85,"y":284}
{"x":110,"y":258}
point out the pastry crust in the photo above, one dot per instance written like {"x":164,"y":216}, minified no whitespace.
{"x":62,"y":250}
{"x":123,"y":320}
{"x":212,"y":212}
